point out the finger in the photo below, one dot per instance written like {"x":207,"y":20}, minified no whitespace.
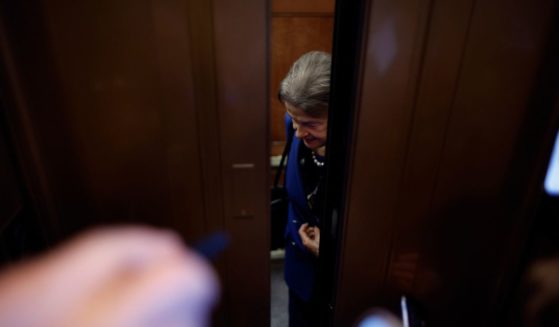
{"x":179,"y":291}
{"x":75,"y":271}
{"x":303,"y":230}
{"x":305,"y":239}
{"x":303,"y":235}
{"x":317,"y":235}
{"x":103,"y":251}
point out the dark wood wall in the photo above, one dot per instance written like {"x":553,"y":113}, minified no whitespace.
{"x":453,"y":125}
{"x":151,"y":112}
{"x":10,"y":189}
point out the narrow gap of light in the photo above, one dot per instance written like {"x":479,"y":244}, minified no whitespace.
{"x":551,"y":183}
{"x":405,"y":318}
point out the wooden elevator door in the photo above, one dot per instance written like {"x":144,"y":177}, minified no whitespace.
{"x":454,"y":116}
{"x":148,"y":112}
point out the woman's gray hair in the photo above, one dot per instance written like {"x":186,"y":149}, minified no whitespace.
{"x":307,"y":84}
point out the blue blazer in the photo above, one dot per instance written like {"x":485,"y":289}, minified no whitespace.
{"x":300,"y":264}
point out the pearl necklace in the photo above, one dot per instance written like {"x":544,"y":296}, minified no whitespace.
{"x":316,"y":162}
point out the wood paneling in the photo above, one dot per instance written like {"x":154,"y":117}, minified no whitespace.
{"x":127,"y":114}
{"x":392,"y":62}
{"x":241,"y":36}
{"x":10,"y":189}
{"x":436,"y":193}
{"x":137,"y":112}
{"x":480,"y":189}
{"x":303,"y":7}
{"x":22,"y":134}
{"x":20,"y":235}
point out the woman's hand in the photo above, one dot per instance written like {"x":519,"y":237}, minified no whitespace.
{"x":310,"y":237}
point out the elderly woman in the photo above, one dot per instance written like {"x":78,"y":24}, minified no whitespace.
{"x":305,"y":92}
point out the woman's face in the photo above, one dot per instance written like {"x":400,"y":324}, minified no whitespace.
{"x":311,"y":130}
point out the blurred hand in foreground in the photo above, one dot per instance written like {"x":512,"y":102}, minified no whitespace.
{"x":112,"y":277}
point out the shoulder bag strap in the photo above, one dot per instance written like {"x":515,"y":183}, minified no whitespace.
{"x":283,"y":156}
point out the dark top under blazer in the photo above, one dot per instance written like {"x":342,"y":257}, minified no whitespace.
{"x":300,"y":264}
